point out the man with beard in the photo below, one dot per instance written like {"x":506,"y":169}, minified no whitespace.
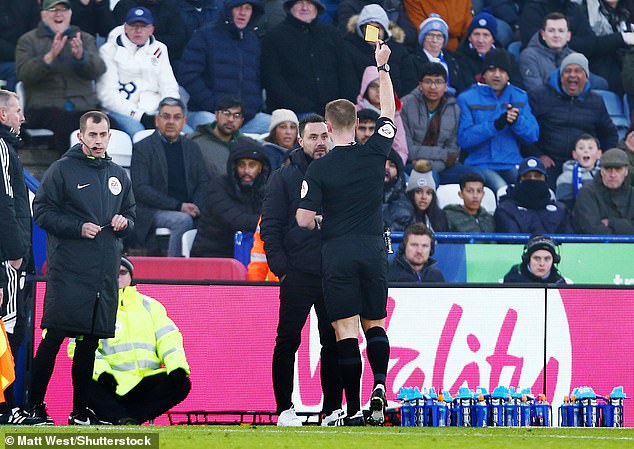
{"x":397,"y":208}
{"x":235,"y":200}
{"x":414,"y":263}
{"x":294,"y":255}
{"x":528,"y":208}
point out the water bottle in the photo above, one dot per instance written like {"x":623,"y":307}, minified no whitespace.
{"x":442,"y":411}
{"x":542,"y":411}
{"x":563,"y":412}
{"x":406,"y":414}
{"x":574,"y":412}
{"x":525,"y":411}
{"x":482,"y":412}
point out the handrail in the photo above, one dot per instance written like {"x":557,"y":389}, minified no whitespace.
{"x":466,"y":237}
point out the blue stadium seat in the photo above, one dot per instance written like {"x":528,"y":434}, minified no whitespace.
{"x":614,"y":105}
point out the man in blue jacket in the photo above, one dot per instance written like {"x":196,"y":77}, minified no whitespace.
{"x":495,"y":118}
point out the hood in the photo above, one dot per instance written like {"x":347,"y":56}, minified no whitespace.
{"x":258,"y":11}
{"x":300,"y":159}
{"x":76,"y":153}
{"x":553,"y":81}
{"x":245,"y":147}
{"x":395,"y":32}
{"x":370,"y":74}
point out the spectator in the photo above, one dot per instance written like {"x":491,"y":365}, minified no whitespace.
{"x":319,"y":70}
{"x":528,"y":206}
{"x":93,"y":16}
{"x":215,"y":139}
{"x":223,"y":60}
{"x":138,"y":73}
{"x":481,"y":38}
{"x":565,"y":109}
{"x":507,"y":14}
{"x":495,"y":118}
{"x":421,"y":191}
{"x":581,"y":170}
{"x":235,"y":200}
{"x":361,"y":52}
{"x":470,"y":216}
{"x":282,"y":137}
{"x":627,"y":145}
{"x":545,"y":51}
{"x":16,"y":18}
{"x":606,"y":206}
{"x":432,"y":41}
{"x":539,"y":263}
{"x":367,"y":124}
{"x":168,"y":25}
{"x":413,"y":262}
{"x":431,"y":118}
{"x":124,"y":389}
{"x":457,"y":13}
{"x":198,"y":13}
{"x":169,"y":178}
{"x":368,"y":98}
{"x":58,"y":64}
{"x":397,"y":208}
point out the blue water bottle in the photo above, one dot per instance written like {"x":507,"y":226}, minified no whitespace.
{"x":498,"y":399}
{"x":465,"y":403}
{"x":407,"y":412}
{"x":588,"y":403}
{"x":482,"y":412}
{"x":542,"y":411}
{"x":612,"y":410}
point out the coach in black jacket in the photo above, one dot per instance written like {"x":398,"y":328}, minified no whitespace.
{"x":294,"y":255}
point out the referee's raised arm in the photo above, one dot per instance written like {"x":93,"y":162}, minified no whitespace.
{"x":386,"y":90}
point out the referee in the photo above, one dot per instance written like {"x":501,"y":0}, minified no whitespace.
{"x":347,"y":186}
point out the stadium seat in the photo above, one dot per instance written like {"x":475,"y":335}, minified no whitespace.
{"x":515,"y":48}
{"x":142,"y":135}
{"x":34,"y":133}
{"x":187,"y":241}
{"x":615,"y":108}
{"x":448,"y":194}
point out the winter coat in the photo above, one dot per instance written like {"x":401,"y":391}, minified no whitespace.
{"x":198,"y":13}
{"x":168,"y":25}
{"x":361,"y":53}
{"x":563,"y":118}
{"x":520,"y":274}
{"x":94,"y":18}
{"x":399,"y":144}
{"x":596,"y":202}
{"x":136,"y":78}
{"x":487,"y":147}
{"x":81,"y":293}
{"x":462,"y":221}
{"x":401,"y":271}
{"x":16,"y":18}
{"x":229,"y":207}
{"x":416,"y":122}
{"x":222,"y":61}
{"x":537,"y":62}
{"x":288,"y":247}
{"x":66,"y":79}
{"x":277,"y":155}
{"x":215,"y":152}
{"x":565,"y":182}
{"x":471,"y":66}
{"x":457,"y":14}
{"x":148,"y":170}
{"x":318,"y":71}
{"x":15,"y":207}
{"x":397,"y":208}
{"x":506,"y":10}
{"x":630,"y":155}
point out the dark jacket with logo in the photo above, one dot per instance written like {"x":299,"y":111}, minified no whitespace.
{"x":81,"y":294}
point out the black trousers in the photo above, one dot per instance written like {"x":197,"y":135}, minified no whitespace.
{"x":298,"y":293}
{"x":83,"y":365}
{"x":152,"y":397}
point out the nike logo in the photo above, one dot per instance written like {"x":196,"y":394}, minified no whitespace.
{"x":81,"y":186}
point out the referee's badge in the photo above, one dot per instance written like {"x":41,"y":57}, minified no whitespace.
{"x":304,"y":190}
{"x":387,"y":131}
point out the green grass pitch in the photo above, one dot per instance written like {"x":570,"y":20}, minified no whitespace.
{"x":314,"y":437}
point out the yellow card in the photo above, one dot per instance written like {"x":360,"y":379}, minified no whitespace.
{"x":371,"y":33}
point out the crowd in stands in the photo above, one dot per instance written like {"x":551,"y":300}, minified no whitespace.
{"x":225,"y":84}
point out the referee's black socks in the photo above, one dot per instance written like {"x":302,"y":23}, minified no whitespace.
{"x":350,"y":369}
{"x":378,"y":353}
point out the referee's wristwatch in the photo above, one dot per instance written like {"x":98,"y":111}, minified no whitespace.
{"x":385,"y":67}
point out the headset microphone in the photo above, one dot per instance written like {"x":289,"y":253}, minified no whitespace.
{"x":91,"y":149}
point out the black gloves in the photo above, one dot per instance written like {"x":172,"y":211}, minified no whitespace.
{"x":108,"y":382}
{"x":179,"y":378}
{"x":500,"y":122}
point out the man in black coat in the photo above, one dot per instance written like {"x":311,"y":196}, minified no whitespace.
{"x":414,"y":263}
{"x":85,"y":204}
{"x":235,"y":200}
{"x":294,"y":255}
{"x":169,"y":178}
{"x":304,"y":65}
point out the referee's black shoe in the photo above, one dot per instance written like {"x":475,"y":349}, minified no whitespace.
{"x":355,"y":420}
{"x":86,"y":418}
{"x":377,"y":406}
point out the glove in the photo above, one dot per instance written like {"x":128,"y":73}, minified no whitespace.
{"x":628,"y":38}
{"x":108,"y":382}
{"x":500,"y":122}
{"x":179,"y":378}
{"x":147,"y":121}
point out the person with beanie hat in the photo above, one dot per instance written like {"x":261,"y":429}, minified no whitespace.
{"x":128,"y":265}
{"x":361,"y":53}
{"x":434,"y":23}
{"x":485,"y":21}
{"x":540,"y":257}
{"x":457,"y":14}
{"x":575,"y":58}
{"x":235,"y":200}
{"x":282,"y":137}
{"x":397,"y":208}
{"x":421,"y":191}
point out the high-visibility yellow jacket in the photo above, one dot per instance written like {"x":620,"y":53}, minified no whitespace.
{"x":146,"y":342}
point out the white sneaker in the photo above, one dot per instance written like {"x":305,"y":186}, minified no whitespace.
{"x":288,"y":418}
{"x":334,"y":419}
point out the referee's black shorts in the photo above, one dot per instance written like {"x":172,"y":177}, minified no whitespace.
{"x":355,"y":277}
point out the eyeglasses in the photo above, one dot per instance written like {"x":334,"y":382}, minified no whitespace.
{"x":123,"y":272}
{"x":434,"y":37}
{"x":54,"y":9}
{"x":434,"y":83}
{"x":228,"y":114}
{"x":167,"y":117}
